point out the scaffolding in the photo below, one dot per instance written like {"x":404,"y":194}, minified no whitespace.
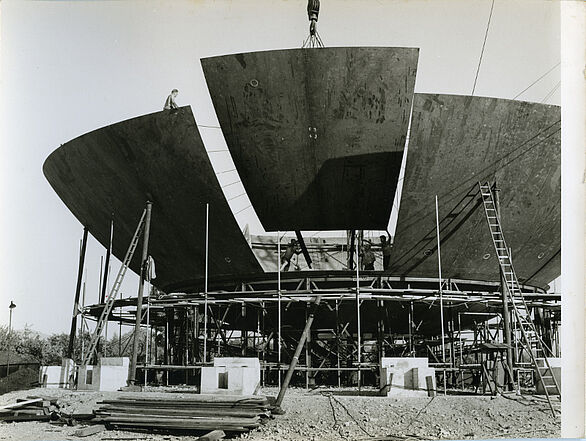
{"x":399,"y":317}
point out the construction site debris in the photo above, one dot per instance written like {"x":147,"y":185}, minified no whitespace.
{"x":310,"y":416}
{"x":29,"y":409}
{"x":198,"y":412}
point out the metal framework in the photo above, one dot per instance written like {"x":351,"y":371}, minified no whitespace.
{"x":399,"y":317}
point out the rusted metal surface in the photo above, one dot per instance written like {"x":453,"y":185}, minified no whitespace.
{"x":158,"y":157}
{"x":317,"y":135}
{"x":457,"y":141}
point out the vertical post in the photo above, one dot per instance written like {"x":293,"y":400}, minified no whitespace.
{"x":82,"y":321}
{"x":461,"y":350}
{"x":265,"y":343}
{"x":205,"y":303}
{"x":279,"y":306}
{"x":359,"y":354}
{"x":380,"y":329}
{"x":166,"y":348}
{"x":439,"y":263}
{"x":143,"y":261}
{"x":100,"y":279}
{"x":120,"y":330}
{"x":307,"y":352}
{"x":351,"y":250}
{"x":146,"y":352}
{"x":338,"y":342}
{"x":77,"y":292}
{"x":10,"y":308}
{"x":107,"y":263}
{"x":505,"y":300}
{"x":243,"y":332}
{"x":411,"y":349}
{"x":196,"y":332}
{"x":166,"y":354}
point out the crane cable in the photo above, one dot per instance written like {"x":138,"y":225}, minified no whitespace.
{"x":483,"y":45}
{"x":534,"y":82}
{"x":313,"y":40}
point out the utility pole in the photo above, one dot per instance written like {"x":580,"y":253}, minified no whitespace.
{"x":143,"y":263}
{"x":11,"y":307}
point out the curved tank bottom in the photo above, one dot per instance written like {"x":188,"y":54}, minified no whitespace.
{"x":317,"y":135}
{"x":115,"y":170}
{"x":457,"y":141}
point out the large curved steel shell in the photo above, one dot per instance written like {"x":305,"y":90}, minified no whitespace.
{"x":158,"y":157}
{"x":457,"y":141}
{"x":317,"y":135}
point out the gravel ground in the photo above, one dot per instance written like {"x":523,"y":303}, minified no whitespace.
{"x":333,"y":414}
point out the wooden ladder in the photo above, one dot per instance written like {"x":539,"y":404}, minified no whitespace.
{"x":113,"y":293}
{"x":515,"y":296}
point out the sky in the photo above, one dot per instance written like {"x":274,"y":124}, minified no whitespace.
{"x":71,"y":67}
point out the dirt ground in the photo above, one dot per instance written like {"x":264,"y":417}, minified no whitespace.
{"x":332,"y":414}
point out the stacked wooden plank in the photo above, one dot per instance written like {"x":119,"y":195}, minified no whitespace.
{"x":29,"y":409}
{"x":199,"y":412}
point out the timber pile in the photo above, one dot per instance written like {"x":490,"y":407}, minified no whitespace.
{"x":199,"y":412}
{"x":29,"y":409}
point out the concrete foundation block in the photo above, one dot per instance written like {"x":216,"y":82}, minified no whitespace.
{"x":50,"y":377}
{"x":113,"y":373}
{"x":110,"y":374}
{"x":233,"y":376}
{"x":405,"y":376}
{"x":210,"y":379}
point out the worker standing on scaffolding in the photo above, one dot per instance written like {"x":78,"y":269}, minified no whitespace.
{"x":292,"y":249}
{"x":386,"y":247}
{"x":368,"y":257}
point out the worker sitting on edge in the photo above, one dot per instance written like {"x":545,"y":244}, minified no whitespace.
{"x":368,"y":257}
{"x":170,"y":101}
{"x":386,"y":246}
{"x":292,"y":249}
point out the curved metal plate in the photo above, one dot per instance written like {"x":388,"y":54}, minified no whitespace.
{"x":457,"y":141}
{"x":158,"y":157}
{"x":317,"y":135}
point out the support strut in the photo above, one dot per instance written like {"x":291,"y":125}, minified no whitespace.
{"x":77,"y":292}
{"x":303,"y":248}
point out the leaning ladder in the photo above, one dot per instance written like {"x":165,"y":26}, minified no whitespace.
{"x":520,"y":308}
{"x":113,"y":293}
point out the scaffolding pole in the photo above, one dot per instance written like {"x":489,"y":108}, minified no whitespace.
{"x":146,"y":352}
{"x":439,"y":263}
{"x":359,"y":355}
{"x":143,"y":261}
{"x":205,"y":311}
{"x":279,"y":305}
